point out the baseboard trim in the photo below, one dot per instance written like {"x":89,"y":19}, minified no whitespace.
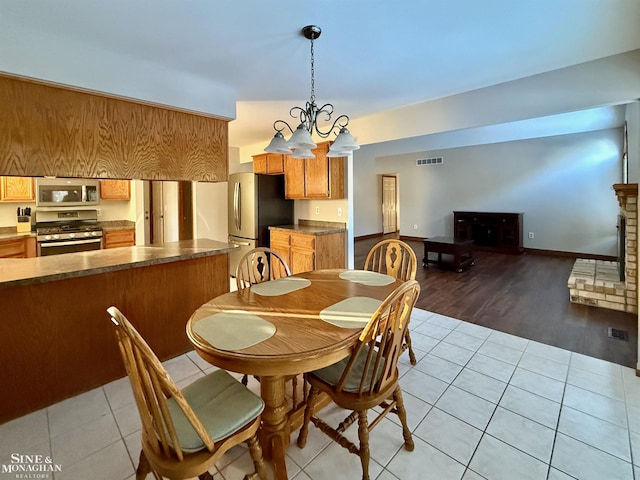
{"x":531,"y":251}
{"x":406,"y":238}
{"x":368,"y":237}
{"x":559,"y":253}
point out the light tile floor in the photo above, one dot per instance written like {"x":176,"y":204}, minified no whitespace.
{"x":482,"y":404}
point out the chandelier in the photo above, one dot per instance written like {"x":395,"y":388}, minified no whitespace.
{"x":300,"y":141}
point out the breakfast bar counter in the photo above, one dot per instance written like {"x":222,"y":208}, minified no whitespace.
{"x":25,"y":271}
{"x":58,"y":340}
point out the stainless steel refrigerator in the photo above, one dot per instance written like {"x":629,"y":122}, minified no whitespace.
{"x":255,"y":202}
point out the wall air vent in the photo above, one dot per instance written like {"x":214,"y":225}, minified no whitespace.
{"x":429,"y":161}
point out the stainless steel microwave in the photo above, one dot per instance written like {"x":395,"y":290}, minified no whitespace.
{"x":62,"y":192}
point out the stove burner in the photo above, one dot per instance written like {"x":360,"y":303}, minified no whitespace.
{"x":67,"y":228}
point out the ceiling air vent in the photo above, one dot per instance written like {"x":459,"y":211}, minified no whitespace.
{"x":429,"y":161}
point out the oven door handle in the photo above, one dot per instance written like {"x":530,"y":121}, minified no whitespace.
{"x":72,"y":242}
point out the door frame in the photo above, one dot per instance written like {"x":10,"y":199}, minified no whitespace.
{"x":395,"y":200}
{"x":154,"y":191}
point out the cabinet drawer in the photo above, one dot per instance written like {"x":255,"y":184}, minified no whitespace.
{"x":303,"y":241}
{"x":15,"y":248}
{"x":119,"y":238}
{"x":279,"y":237}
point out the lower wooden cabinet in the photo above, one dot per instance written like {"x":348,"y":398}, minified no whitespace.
{"x":307,"y":251}
{"x":119,"y":238}
{"x":19,"y":247}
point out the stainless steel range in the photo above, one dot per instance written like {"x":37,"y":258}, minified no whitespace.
{"x":67,"y":231}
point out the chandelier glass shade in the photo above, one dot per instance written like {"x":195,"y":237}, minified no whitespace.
{"x":300,"y":143}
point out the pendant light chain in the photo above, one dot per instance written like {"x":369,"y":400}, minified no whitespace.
{"x":313,"y":82}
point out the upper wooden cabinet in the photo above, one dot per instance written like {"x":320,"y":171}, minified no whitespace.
{"x":54,"y":130}
{"x":17,"y":189}
{"x":115,"y":189}
{"x":268,"y":163}
{"x":314,"y":178}
{"x":294,"y":177}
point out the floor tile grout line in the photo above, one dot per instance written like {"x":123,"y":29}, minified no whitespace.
{"x":558,"y":432}
{"x":565,"y":382}
{"x":131,"y":459}
{"x":484,"y":431}
{"x":626,"y":411}
{"x":50,"y":437}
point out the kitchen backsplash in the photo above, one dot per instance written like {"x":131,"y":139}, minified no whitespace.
{"x":108,"y":211}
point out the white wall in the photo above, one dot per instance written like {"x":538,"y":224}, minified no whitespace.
{"x":609,"y":81}
{"x":633,"y":133}
{"x":210,"y":202}
{"x":562,"y":184}
{"x":210,"y":208}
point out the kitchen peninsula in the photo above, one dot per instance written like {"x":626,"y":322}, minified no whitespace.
{"x":57,"y":340}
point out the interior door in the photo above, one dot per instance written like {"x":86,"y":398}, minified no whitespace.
{"x":185,"y":210}
{"x":156,"y":194}
{"x":389,"y":210}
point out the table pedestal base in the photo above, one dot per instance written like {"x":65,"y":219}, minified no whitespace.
{"x":275,"y":432}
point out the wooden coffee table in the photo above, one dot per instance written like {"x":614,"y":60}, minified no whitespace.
{"x":461,"y":252}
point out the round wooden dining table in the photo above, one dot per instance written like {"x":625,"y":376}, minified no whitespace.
{"x":296,"y":324}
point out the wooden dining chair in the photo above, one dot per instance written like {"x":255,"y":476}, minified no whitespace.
{"x":185,"y":432}
{"x":395,"y":258}
{"x":368,"y":378}
{"x":260,"y":265}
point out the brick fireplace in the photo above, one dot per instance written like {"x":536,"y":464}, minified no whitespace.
{"x":598,"y":282}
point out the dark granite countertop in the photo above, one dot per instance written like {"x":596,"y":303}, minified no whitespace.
{"x":118,"y":225}
{"x":312,"y":227}
{"x":24,"y":271}
{"x":10,"y":234}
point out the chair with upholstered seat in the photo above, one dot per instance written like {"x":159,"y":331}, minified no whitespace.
{"x":368,"y":378}
{"x":185,"y":432}
{"x":397,"y":259}
{"x":258,"y":265}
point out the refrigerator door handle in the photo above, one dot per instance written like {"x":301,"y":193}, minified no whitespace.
{"x":246,"y":244}
{"x":236,"y":205}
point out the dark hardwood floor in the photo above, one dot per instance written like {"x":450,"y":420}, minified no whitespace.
{"x":525,"y":295}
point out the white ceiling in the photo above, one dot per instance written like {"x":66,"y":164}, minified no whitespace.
{"x":372,"y":55}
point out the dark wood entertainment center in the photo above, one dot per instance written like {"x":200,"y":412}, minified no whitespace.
{"x":496,"y":231}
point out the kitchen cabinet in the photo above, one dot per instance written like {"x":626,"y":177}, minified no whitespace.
{"x":125,"y":138}
{"x":17,"y":189}
{"x":314,"y":178}
{"x":269,"y":163}
{"x":294,"y":178}
{"x":309,"y":251}
{"x":119,"y":238}
{"x":115,"y":189}
{"x":18,"y":247}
